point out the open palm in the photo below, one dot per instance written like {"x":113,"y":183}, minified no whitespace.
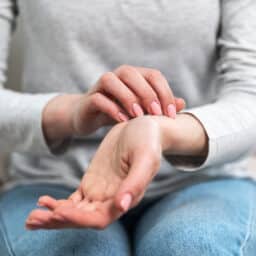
{"x":116,"y":179}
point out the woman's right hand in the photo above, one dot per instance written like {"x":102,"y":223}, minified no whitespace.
{"x":125,"y":93}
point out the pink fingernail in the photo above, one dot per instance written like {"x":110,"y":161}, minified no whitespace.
{"x":156,"y":109}
{"x":122,"y":117}
{"x":126,"y":202}
{"x":171,"y":109}
{"x":137,"y":109}
{"x":35,"y":222}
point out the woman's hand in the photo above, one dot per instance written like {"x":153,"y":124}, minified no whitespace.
{"x":116,"y":180}
{"x":125,"y":93}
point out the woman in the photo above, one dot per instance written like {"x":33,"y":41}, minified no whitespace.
{"x":201,"y":204}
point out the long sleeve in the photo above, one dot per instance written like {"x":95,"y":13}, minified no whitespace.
{"x":20,"y":114}
{"x":230,"y":122}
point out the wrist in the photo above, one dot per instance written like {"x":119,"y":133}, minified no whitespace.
{"x":184,"y":135}
{"x":57,"y":120}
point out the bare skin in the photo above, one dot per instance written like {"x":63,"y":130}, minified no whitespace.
{"x":116,"y":182}
{"x":118,"y":96}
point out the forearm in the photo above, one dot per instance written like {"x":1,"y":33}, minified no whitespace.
{"x":21,"y":121}
{"x":57,"y":118}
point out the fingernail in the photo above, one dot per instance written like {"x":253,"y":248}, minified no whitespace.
{"x":126,"y":202}
{"x":171,"y":110}
{"x":137,"y":109}
{"x":34,"y":222}
{"x":156,"y":109}
{"x":122,"y":117}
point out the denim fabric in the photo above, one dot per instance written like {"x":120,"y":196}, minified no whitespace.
{"x":15,"y":240}
{"x":210,"y":218}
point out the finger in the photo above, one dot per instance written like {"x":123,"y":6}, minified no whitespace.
{"x":109,"y":107}
{"x":112,"y":85}
{"x":48,"y":202}
{"x":53,"y":224}
{"x":44,"y":219}
{"x":39,"y":215}
{"x":141,"y":88}
{"x":161,"y":87}
{"x":144,"y":167}
{"x":180,"y":104}
{"x":47,"y":220}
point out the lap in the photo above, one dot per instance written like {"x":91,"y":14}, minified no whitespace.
{"x":211,"y":218}
{"x":15,"y":206}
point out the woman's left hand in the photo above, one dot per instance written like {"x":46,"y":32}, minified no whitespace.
{"x":125,"y":163}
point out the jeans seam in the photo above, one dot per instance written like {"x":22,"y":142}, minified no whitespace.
{"x":248,"y":229}
{"x":5,"y":236}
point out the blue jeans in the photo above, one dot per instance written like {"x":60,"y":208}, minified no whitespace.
{"x":211,"y":218}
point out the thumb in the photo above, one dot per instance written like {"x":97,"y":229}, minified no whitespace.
{"x":143,"y":169}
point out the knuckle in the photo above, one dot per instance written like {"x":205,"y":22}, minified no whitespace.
{"x":95,"y":98}
{"x":147,"y":98}
{"x":129,"y":100}
{"x":124,"y":67}
{"x":155,"y":76}
{"x":125,"y":71}
{"x":138,"y":189}
{"x":107,"y":78}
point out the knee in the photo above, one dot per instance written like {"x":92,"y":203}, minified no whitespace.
{"x":178,"y":236}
